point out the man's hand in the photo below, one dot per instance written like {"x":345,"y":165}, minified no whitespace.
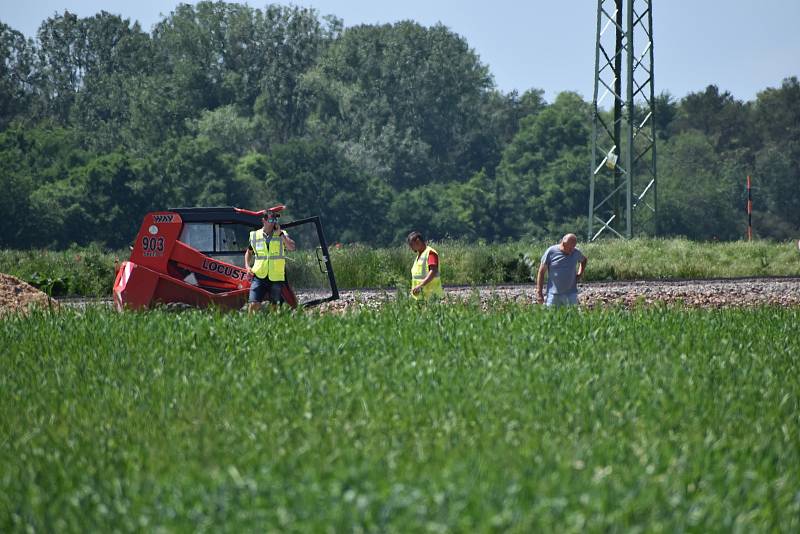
{"x":288,"y":241}
{"x":416,"y":290}
{"x":540,"y":298}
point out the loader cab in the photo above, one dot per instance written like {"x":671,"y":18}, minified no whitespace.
{"x":224,"y":234}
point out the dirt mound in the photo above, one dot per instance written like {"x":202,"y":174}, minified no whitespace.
{"x":17,"y":296}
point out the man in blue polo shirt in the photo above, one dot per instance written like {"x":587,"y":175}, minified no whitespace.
{"x":564,"y":264}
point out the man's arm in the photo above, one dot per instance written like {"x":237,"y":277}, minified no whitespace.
{"x":540,"y":282}
{"x":582,"y":267}
{"x":248,"y":255}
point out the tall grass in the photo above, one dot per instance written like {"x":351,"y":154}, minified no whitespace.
{"x":466,"y":263}
{"x":78,"y":271}
{"x":462,"y":264}
{"x":681,"y":258}
{"x":406,"y":419}
{"x":90,"y":271}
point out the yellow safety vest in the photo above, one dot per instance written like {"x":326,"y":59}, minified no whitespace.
{"x":270,"y":259}
{"x":420,"y":270}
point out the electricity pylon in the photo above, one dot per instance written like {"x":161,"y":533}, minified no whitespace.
{"x":623,"y":172}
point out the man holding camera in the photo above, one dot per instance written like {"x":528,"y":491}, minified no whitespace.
{"x":267,"y":251}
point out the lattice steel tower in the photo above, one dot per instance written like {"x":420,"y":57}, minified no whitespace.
{"x":623,"y":172}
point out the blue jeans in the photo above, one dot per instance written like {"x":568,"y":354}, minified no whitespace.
{"x":554,"y":299}
{"x":260,"y":288}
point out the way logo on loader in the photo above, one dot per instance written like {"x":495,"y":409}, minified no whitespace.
{"x":163,"y":218}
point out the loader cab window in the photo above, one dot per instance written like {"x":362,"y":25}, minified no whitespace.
{"x":232,"y":238}
{"x":224,"y":242}
{"x":199,"y":236}
{"x":230,"y":242}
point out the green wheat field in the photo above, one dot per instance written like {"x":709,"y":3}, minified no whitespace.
{"x":404,"y":419}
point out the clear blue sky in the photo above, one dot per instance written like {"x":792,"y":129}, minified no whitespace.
{"x":741,"y":46}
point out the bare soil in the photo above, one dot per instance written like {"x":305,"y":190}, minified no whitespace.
{"x":17,"y":296}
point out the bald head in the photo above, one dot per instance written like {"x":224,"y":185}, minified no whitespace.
{"x":568,"y":243}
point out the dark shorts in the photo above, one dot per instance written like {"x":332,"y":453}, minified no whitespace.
{"x":261,"y":288}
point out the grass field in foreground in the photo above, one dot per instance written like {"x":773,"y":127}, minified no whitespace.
{"x":405,"y":419}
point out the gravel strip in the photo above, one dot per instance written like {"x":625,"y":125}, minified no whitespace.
{"x":746,"y":292}
{"x":730,"y":293}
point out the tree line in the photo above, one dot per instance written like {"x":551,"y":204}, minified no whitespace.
{"x":379,"y":129}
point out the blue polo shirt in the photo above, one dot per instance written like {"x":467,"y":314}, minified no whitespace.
{"x":562,"y":270}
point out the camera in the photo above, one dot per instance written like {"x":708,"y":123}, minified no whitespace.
{"x":273,"y":214}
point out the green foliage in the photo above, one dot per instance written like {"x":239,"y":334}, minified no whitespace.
{"x":469,"y":263}
{"x":719,"y":116}
{"x":31,"y":161}
{"x":403,"y":98}
{"x":160,"y":111}
{"x":778,"y":165}
{"x":92,"y":199}
{"x":222,"y":54}
{"x":400,"y":123}
{"x":704,"y":206}
{"x":437,"y":208}
{"x":776,"y":112}
{"x":295,"y":38}
{"x":778,"y":162}
{"x":639,"y":259}
{"x":116,"y":53}
{"x":666,"y":109}
{"x":357,"y":266}
{"x":410,"y":418}
{"x":227,"y":130}
{"x":462,"y":263}
{"x":193,"y":171}
{"x":250,"y":177}
{"x":313,"y":178}
{"x":75,"y":272}
{"x":82,"y":64}
{"x":16,"y":67}
{"x":540,"y":179}
{"x":54,"y":287}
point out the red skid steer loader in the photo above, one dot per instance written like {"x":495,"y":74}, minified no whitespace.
{"x":195,"y":257}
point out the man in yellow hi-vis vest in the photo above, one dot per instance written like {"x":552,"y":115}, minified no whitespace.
{"x":425,"y":279}
{"x":268,"y":247}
